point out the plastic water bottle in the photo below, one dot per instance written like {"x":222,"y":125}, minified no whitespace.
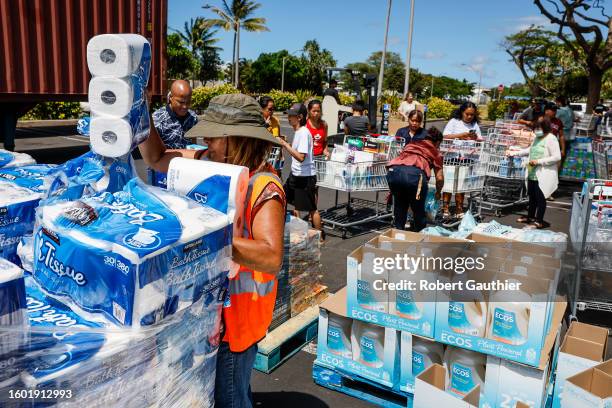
{"x":509,"y":321}
{"x":465,"y":370}
{"x":425,"y":353}
{"x":339,"y":335}
{"x":368,"y":344}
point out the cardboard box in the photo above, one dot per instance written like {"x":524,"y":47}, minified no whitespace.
{"x":407,"y":236}
{"x":543,"y":326}
{"x":584,"y":346}
{"x":407,"y":377}
{"x":524,"y":248}
{"x":421,"y":323}
{"x":387,"y":375}
{"x":589,"y":389}
{"x":430,"y":391}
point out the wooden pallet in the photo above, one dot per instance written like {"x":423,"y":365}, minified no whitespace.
{"x":286,"y":340}
{"x":359,"y":387}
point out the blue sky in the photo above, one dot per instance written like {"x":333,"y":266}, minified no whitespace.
{"x":451,"y":37}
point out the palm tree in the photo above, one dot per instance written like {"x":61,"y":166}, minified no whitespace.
{"x":234,"y":17}
{"x":200,"y":38}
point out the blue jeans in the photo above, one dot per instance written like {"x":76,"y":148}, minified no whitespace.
{"x":404,"y":185}
{"x":233,"y":381}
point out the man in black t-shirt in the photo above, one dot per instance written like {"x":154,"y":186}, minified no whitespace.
{"x":600,"y":108}
{"x":332,"y":91}
{"x":358,"y":124}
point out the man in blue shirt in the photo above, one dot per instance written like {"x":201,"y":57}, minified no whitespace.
{"x":172,"y":122}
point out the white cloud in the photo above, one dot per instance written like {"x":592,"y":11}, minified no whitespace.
{"x":516,"y":24}
{"x":432,"y":55}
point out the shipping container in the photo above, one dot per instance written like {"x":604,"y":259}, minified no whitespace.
{"x":43,"y":44}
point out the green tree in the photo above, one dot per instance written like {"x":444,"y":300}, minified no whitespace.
{"x":180,"y":60}
{"x":315,"y":60}
{"x":234,"y":17}
{"x":269,"y":68}
{"x":200,"y":38}
{"x":584,"y":28}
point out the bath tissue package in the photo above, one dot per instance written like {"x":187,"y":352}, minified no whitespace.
{"x":120,"y":66}
{"x":13,"y":321}
{"x":12,"y":159}
{"x":22,"y":188}
{"x":135,"y":256}
{"x":217,"y":185}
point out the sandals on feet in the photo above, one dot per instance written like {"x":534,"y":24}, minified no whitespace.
{"x":524,"y":220}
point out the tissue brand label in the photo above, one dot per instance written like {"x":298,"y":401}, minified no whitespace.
{"x":214,"y":192}
{"x":47,"y":255}
{"x":334,"y":339}
{"x":418,"y":363}
{"x":139,"y":217}
{"x":406,"y":306}
{"x":52,"y":235}
{"x":80,"y":213}
{"x":505,"y":328}
{"x":462,"y":380}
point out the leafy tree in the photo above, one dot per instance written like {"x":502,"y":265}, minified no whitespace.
{"x":269,"y":68}
{"x":234,"y":17}
{"x":200,"y":38}
{"x":584,"y":27}
{"x":315,"y":60}
{"x":180,"y":60}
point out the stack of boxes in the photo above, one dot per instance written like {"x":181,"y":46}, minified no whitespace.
{"x":436,"y":346}
{"x":299,"y":281}
{"x":579,"y":162}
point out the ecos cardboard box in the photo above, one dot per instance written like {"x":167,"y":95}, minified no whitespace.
{"x":589,"y":389}
{"x":430,"y":391}
{"x":364,"y":349}
{"x":583,"y":347}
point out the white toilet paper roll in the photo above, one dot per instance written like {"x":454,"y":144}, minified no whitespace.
{"x":113,"y":96}
{"x":117,"y":55}
{"x":110,"y":137}
{"x":194,"y":178}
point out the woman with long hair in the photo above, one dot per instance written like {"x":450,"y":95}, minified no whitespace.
{"x":234,"y":129}
{"x":463,"y":125}
{"x":317,"y":128}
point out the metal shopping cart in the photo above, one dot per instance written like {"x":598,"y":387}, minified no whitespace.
{"x":602,"y":156}
{"x":505,"y":182}
{"x":465,"y":165}
{"x":591,"y":236}
{"x":358,"y":171}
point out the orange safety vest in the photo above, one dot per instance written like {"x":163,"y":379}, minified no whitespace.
{"x":252,"y":294}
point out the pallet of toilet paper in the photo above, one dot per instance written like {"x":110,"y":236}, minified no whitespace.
{"x":125,"y":293}
{"x":23,"y":187}
{"x":502,"y":321}
{"x":430,"y":371}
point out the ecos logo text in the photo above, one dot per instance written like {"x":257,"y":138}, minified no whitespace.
{"x":506,"y":317}
{"x":142,"y":239}
{"x":140,"y":217}
{"x":460,"y":371}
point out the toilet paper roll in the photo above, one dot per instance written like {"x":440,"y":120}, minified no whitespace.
{"x":119,"y":55}
{"x":114,"y":97}
{"x":217,"y":185}
{"x":111,"y":137}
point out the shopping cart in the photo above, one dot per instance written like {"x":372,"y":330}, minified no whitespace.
{"x":505,"y":182}
{"x":602,"y":156}
{"x":591,"y":236}
{"x":276,"y":158}
{"x":355,"y":173}
{"x":465,"y":164}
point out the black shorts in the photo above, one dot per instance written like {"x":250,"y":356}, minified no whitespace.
{"x":302,"y":192}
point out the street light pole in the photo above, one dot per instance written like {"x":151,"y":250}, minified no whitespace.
{"x":381,"y":73}
{"x":283,"y":76}
{"x":410,"y":29}
{"x":479,"y":86}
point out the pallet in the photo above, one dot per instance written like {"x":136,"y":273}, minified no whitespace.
{"x":286,"y":340}
{"x":359,"y":387}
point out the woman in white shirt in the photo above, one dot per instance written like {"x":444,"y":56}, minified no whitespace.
{"x":407,"y":106}
{"x":464,"y":125}
{"x":301,"y":187}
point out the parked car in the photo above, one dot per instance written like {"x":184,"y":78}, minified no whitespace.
{"x":579,"y":109}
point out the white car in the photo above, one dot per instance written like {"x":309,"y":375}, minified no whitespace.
{"x":579,"y":109}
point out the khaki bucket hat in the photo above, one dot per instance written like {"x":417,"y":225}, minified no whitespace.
{"x":233,"y":115}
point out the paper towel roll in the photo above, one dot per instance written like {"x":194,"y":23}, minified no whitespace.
{"x":119,"y":55}
{"x":111,"y":137}
{"x":114,"y":96}
{"x":218,"y":185}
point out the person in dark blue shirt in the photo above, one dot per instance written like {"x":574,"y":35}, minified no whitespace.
{"x":414,"y":131}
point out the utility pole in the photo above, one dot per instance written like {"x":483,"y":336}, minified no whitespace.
{"x":410,"y":29}
{"x":381,"y":73}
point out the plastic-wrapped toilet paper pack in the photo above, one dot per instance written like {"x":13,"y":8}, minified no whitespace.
{"x":217,"y":185}
{"x":22,"y":188}
{"x":116,"y":137}
{"x":119,"y":55}
{"x":127,"y":255}
{"x":13,"y":159}
{"x":13,"y":320}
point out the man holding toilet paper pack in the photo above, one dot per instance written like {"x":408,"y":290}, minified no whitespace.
{"x":235,"y":131}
